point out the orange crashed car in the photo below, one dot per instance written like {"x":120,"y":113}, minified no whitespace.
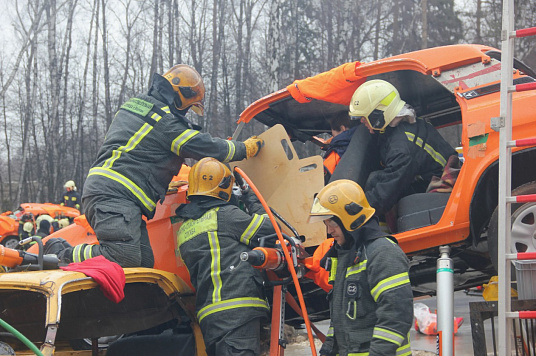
{"x":456,"y":89}
{"x":9,"y":221}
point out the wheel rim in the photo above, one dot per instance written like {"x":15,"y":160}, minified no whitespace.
{"x":11,"y":243}
{"x":523,"y":238}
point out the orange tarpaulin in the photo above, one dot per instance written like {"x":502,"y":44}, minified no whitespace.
{"x":334,"y":86}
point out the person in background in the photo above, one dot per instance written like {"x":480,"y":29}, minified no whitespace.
{"x":371,"y":304}
{"x":342,"y":130}
{"x":26,"y":226}
{"x":230,"y":300}
{"x":71,"y":197}
{"x":411,"y":150}
{"x":44,"y":229}
{"x":145,"y":146}
{"x":53,"y":221}
{"x":64,"y":222}
{"x":28,"y":230}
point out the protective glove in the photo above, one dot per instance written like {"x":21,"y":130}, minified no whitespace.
{"x":253,"y":146}
{"x":176,"y":184}
{"x":59,"y":247}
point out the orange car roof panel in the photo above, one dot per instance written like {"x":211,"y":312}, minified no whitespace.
{"x":335,"y":86}
{"x":338,"y":84}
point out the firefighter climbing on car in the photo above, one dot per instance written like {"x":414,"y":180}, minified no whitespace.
{"x":144,"y":148}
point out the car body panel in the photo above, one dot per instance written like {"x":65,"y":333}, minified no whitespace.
{"x":451,"y":87}
{"x":459,"y":69}
{"x":9,"y":221}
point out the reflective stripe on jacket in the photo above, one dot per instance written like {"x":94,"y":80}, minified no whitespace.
{"x":229,"y":292}
{"x":145,"y":146}
{"x":372,"y":301}
{"x":410,"y":154}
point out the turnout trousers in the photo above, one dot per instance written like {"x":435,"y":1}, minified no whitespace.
{"x":242,"y":341}
{"x":121,"y":231}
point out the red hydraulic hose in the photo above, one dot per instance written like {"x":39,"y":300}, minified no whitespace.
{"x":287,"y":258}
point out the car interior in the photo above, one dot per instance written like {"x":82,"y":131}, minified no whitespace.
{"x":432,"y":102}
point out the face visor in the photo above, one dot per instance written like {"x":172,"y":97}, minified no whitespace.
{"x":319,"y":213}
{"x":189,"y":93}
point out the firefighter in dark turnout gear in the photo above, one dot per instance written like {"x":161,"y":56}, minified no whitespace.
{"x":71,"y":197}
{"x":371,"y":303}
{"x":411,"y":150}
{"x":144,"y":148}
{"x":230,"y":299}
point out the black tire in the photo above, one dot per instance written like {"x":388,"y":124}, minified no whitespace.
{"x":523,"y":226}
{"x":11,"y":242}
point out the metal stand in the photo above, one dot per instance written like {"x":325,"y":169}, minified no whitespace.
{"x":445,"y":303}
{"x":277,"y":340}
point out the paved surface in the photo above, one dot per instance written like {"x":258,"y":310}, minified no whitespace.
{"x":421,"y":344}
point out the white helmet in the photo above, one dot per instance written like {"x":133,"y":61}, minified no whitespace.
{"x":70,"y":185}
{"x":378,"y":102}
{"x":42,"y":217}
{"x":28,"y":227}
{"x":63,"y":223}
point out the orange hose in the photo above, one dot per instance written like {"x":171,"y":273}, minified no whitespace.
{"x":287,"y":258}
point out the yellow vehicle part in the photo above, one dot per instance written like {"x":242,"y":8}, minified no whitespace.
{"x":55,"y":305}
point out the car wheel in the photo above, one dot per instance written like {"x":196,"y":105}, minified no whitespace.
{"x":523,"y":238}
{"x":86,"y":344}
{"x":11,"y":242}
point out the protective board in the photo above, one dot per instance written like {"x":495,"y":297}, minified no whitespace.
{"x":287,"y":183}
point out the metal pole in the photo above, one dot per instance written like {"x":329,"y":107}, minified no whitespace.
{"x":504,"y":336}
{"x":445,"y":303}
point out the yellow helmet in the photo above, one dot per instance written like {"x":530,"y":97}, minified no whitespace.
{"x":378,"y":102}
{"x":70,"y":185}
{"x":188,"y":84}
{"x":210,"y":177}
{"x":344,"y":199}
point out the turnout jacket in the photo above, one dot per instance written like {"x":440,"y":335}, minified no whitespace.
{"x":229,"y":292}
{"x":145,"y":146}
{"x":410,"y":154}
{"x":71,"y":199}
{"x":371,"y":303}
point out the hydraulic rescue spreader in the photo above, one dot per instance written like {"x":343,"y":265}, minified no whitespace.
{"x":21,"y":260}
{"x":283,"y":264}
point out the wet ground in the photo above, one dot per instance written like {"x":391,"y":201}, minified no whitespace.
{"x":422,"y":345}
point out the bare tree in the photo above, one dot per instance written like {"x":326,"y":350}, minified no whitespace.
{"x":273,"y":43}
{"x":106,"y":67}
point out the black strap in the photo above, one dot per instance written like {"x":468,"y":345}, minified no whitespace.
{"x":159,"y":111}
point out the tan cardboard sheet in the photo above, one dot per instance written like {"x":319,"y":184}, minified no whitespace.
{"x":287,"y":183}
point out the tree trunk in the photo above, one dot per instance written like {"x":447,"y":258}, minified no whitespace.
{"x":95,"y":92}
{"x":106,"y":68}
{"x":424,"y":11}
{"x":274,"y":45}
{"x":53,"y":157}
